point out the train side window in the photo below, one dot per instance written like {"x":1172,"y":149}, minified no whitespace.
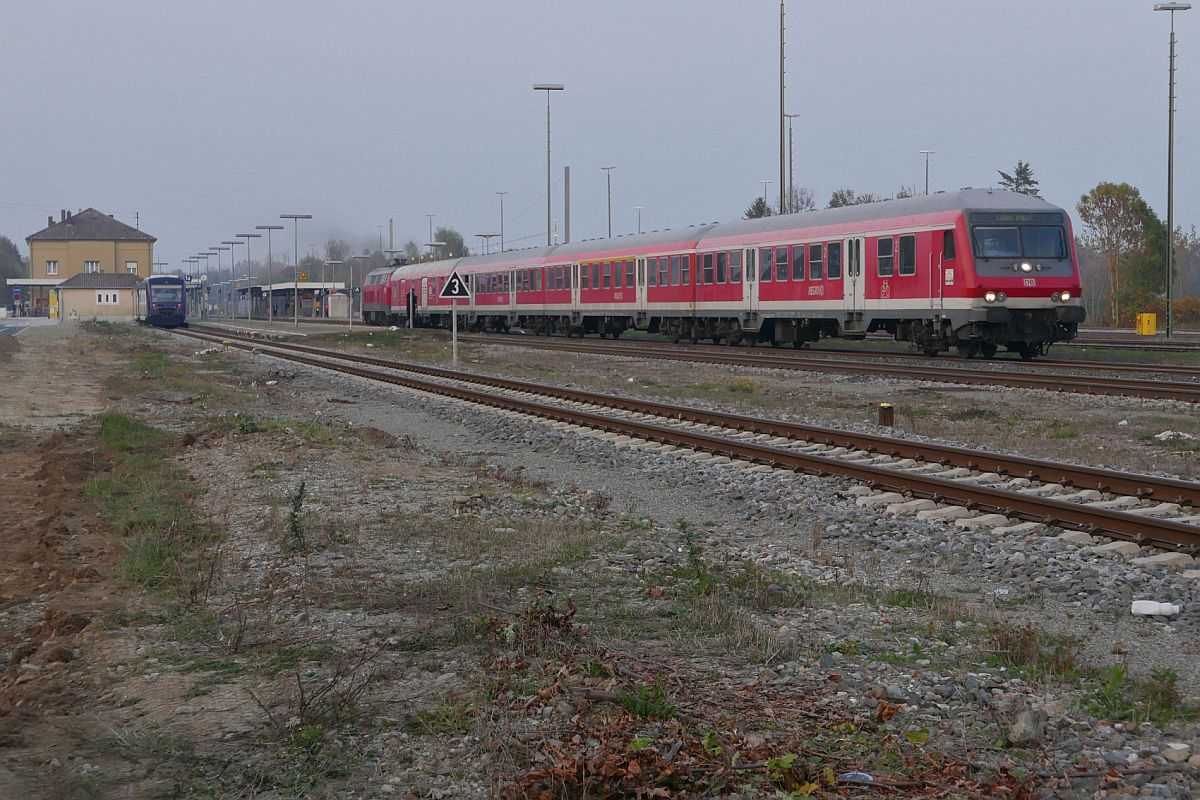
{"x":708,"y":268}
{"x":833,"y":260}
{"x":674,"y":270}
{"x":618,"y":276}
{"x":908,"y":255}
{"x":685,"y":270}
{"x":797,"y":262}
{"x":766,"y":262}
{"x":735,"y":266}
{"x":722,"y":258}
{"x":781,"y":263}
{"x":607,"y":273}
{"x":652,"y":271}
{"x":816,"y":261}
{"x":629,"y":273}
{"x":885,"y":255}
{"x":664,"y":271}
{"x":948,"y":245}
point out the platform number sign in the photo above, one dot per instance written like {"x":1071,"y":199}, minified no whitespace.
{"x":455,"y":289}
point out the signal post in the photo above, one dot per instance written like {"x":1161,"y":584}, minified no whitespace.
{"x":455,"y":289}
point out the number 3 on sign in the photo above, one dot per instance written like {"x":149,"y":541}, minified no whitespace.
{"x":455,"y":289}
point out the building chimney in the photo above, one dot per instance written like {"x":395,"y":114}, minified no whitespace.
{"x":49,"y":221}
{"x":63,"y":212}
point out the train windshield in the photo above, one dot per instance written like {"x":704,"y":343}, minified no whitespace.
{"x":167,"y":294}
{"x":1020,"y":241}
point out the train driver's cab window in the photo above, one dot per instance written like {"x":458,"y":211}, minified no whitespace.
{"x":816,"y":262}
{"x":997,"y":242}
{"x":885,"y":257}
{"x":948,"y":245}
{"x":908,"y":255}
{"x":833,"y":260}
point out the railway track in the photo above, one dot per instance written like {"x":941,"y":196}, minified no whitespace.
{"x":1183,"y":391}
{"x":1147,"y":510}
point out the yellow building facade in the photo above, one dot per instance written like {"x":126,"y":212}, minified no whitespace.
{"x":85,"y":242}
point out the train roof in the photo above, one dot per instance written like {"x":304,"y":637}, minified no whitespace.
{"x":931,"y":208}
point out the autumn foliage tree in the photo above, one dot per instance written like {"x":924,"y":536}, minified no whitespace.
{"x":1125,"y":231}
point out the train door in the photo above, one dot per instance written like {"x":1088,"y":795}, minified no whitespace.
{"x":512,"y":291}
{"x":749,"y":280}
{"x":573,"y":278}
{"x":855,"y":290}
{"x":640,"y":281}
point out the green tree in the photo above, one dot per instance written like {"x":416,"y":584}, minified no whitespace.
{"x":1129,"y":236}
{"x":906,"y":191}
{"x":758,"y":209}
{"x":412,"y":251}
{"x":12,"y":265}
{"x":455,"y":246}
{"x":846,"y":197}
{"x":1021,"y":180}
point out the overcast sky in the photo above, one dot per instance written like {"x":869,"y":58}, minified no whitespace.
{"x":207,"y":118}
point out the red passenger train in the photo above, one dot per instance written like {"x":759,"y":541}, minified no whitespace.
{"x":971,"y":270}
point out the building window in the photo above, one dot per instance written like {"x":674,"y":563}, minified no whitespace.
{"x":884,"y":268}
{"x":908,"y":255}
{"x":106,"y":298}
{"x":51,"y":267}
{"x":91,"y":266}
{"x":131,"y":267}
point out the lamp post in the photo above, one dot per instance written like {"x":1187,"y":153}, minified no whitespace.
{"x":220,"y":279}
{"x":324,"y":289}
{"x":204,"y":280}
{"x":232,"y":260}
{"x":487,"y":239}
{"x":355,"y":261}
{"x":501,"y":220}
{"x":249,"y":277}
{"x":430,"y":218}
{"x":927,"y":154}
{"x":295,"y":218}
{"x":764,"y":196}
{"x":547,"y":88}
{"x":608,"y":177}
{"x":1171,"y":7}
{"x":639,"y":210}
{"x":270,"y":280}
{"x":791,"y":176}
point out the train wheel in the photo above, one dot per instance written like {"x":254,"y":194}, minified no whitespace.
{"x":930,"y":352}
{"x":1028,"y":352}
{"x":988,"y":350}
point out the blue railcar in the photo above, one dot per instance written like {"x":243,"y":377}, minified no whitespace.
{"x":161,"y":301}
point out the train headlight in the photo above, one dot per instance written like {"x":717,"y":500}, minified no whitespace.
{"x":1056,"y":297}
{"x":1026,"y":266}
{"x":1066,"y":296}
{"x":989,"y":296}
{"x":1001,"y":297}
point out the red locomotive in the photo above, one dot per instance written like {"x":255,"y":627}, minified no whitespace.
{"x":972,"y":270}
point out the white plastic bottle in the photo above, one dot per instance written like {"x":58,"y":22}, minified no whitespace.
{"x":1153,"y":608}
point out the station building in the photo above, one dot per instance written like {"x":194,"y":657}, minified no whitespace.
{"x":88,"y":242}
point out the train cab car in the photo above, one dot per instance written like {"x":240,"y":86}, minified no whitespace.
{"x":161,"y":301}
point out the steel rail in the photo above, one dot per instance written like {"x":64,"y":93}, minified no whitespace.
{"x":1134,"y":527}
{"x":1170,"y":490}
{"x":1123,"y":387}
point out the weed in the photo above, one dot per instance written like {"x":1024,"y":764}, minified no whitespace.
{"x":1057,"y":429}
{"x":743,"y":385}
{"x":1157,"y":700}
{"x":295,"y":529}
{"x":648,"y":701}
{"x":447,"y":719}
{"x":639,"y":743}
{"x":1032,"y":652}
